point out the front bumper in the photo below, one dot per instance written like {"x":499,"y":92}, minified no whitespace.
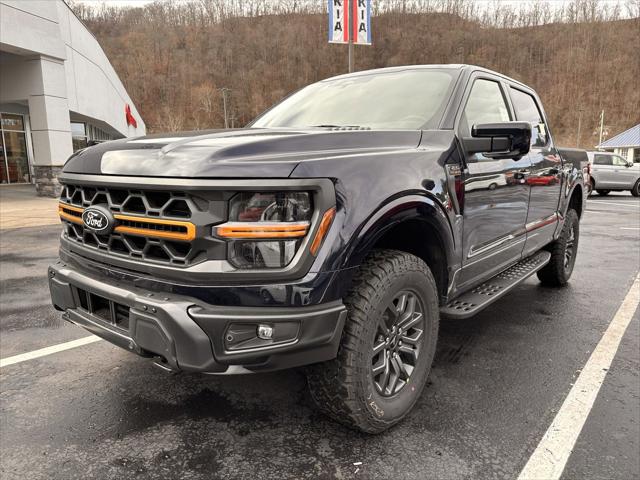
{"x":183,"y":333}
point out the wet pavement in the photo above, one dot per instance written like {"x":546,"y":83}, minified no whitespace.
{"x":499,"y":378}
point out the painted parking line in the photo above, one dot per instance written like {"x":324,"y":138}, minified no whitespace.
{"x":551,"y":455}
{"x":629,"y":228}
{"x":43,"y":352}
{"x":630,"y":204}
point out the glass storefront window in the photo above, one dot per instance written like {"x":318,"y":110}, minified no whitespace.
{"x":79,"y":136}
{"x":12,"y":122}
{"x":14,"y":158}
{"x":15,"y":146}
{"x":4,"y":178}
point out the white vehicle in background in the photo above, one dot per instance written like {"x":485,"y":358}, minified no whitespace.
{"x":611,"y":172}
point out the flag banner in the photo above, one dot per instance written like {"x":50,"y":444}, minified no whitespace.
{"x":361,"y":22}
{"x":353,"y":13}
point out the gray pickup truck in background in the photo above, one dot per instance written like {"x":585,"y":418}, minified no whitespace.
{"x":611,"y":172}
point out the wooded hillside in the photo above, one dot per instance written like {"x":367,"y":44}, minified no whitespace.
{"x":174,"y":58}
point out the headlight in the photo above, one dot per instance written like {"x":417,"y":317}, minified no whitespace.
{"x":265,"y":229}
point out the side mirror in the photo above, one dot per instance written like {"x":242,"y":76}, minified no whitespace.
{"x":629,"y":164}
{"x":500,"y":140}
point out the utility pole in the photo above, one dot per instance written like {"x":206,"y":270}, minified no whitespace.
{"x":224,"y":91}
{"x":601,"y":126}
{"x":579,"y":126}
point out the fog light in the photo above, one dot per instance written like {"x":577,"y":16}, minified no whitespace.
{"x":265,"y":332}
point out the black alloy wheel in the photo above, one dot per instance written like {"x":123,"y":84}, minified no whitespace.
{"x":569,"y":249}
{"x":399,"y":337}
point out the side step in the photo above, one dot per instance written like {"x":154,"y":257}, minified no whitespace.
{"x":472,"y":302}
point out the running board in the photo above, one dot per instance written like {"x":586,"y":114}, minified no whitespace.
{"x":472,"y":302}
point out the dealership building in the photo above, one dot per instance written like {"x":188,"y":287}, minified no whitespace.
{"x":58,"y":92}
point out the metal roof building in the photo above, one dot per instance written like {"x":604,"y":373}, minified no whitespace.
{"x":626,"y":144}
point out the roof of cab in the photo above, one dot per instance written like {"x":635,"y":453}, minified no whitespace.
{"x":449,"y":66}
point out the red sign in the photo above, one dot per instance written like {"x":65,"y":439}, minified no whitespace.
{"x":131,"y":120}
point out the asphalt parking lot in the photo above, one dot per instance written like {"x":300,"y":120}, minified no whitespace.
{"x":499,"y":378}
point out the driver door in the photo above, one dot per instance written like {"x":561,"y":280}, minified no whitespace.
{"x":496,"y":195}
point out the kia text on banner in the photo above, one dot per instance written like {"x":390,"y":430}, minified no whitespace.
{"x":357,"y":13}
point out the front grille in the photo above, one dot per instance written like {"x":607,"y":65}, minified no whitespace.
{"x":151,"y":226}
{"x":111,"y":312}
{"x":136,"y":202}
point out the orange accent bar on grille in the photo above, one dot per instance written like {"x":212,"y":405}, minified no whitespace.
{"x":67,"y":216}
{"x":186,"y":236}
{"x":263,"y":230}
{"x":325,"y":223}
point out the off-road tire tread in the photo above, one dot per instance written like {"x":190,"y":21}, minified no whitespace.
{"x":333,"y":384}
{"x":553,"y":274}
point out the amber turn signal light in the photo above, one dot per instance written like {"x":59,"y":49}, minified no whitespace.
{"x":325,"y":223}
{"x":262,"y":230}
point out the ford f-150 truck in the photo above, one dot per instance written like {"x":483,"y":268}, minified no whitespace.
{"x":333,"y":232}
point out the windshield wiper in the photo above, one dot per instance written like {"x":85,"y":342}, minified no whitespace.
{"x":336,"y":126}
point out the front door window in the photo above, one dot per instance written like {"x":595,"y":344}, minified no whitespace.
{"x":13,"y":150}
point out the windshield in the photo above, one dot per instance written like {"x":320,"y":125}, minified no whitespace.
{"x":409,"y":99}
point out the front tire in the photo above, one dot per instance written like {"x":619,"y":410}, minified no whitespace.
{"x":557,"y":272}
{"x":635,"y":191}
{"x":387,"y":345}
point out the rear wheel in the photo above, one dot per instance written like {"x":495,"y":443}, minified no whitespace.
{"x":603,"y":192}
{"x":557,"y":272}
{"x":635,"y":191}
{"x":387,"y":345}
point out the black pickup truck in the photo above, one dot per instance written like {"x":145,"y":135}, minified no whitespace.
{"x":333,"y":232}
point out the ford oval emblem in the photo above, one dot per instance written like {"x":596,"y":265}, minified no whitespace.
{"x":98,"y":219}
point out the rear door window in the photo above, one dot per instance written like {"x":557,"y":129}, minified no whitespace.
{"x":527,"y":110}
{"x":602,"y":159}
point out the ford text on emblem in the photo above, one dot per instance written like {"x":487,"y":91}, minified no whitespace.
{"x":98,"y":219}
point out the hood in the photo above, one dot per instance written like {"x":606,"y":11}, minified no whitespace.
{"x":251,"y":152}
